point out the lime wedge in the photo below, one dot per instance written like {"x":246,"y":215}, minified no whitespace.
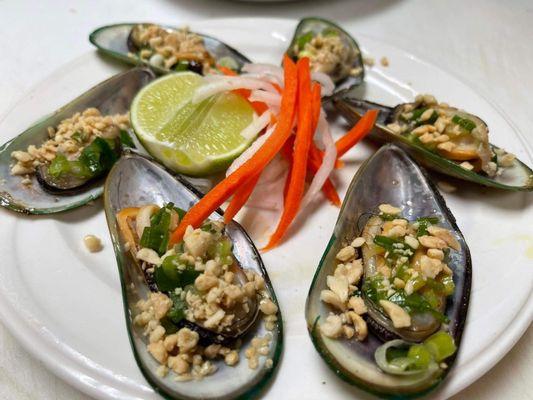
{"x":193,"y":139}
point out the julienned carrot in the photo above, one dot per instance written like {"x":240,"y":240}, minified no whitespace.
{"x":221,"y":192}
{"x":240,"y":197}
{"x":302,"y":142}
{"x":226,"y":71}
{"x":316,"y":103}
{"x":358,"y":132}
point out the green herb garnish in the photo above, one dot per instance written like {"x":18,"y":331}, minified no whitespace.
{"x":464,"y":123}
{"x":303,"y":39}
{"x":156,"y":235}
{"x":177,"y":311}
{"x":424,"y":223}
{"x":173,"y":274}
{"x":125,"y":139}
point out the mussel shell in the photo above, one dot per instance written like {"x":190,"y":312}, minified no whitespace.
{"x":518,"y":177}
{"x":110,"y":97}
{"x":114,"y":40}
{"x":317,"y":25}
{"x":133,"y":181}
{"x":390,"y":176}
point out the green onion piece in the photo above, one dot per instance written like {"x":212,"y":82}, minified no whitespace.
{"x":60,"y":166}
{"x":449,"y":285}
{"x":393,"y":246}
{"x":182,"y":65}
{"x":385,"y":242}
{"x":330,"y":31}
{"x":387,"y":217}
{"x":99,"y":156}
{"x":125,"y":139}
{"x":432,"y":298}
{"x":420,"y":356}
{"x":169,"y":326}
{"x":177,"y":311}
{"x":418,"y":113}
{"x":156,"y":235}
{"x":464,"y":123}
{"x":302,"y":40}
{"x":441,"y":345}
{"x":228,"y":62}
{"x":415,"y":303}
{"x":77,"y":137}
{"x":171,"y":275}
{"x":424,"y":223}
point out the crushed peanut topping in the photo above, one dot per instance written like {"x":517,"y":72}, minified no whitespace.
{"x":167,"y":48}
{"x":342,"y":295}
{"x":69,"y":138}
{"x":203,"y":285}
{"x":407,"y":274}
{"x":452,"y":133}
{"x":328,"y":53}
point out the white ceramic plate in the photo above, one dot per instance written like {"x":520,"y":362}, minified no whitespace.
{"x":64,"y":304}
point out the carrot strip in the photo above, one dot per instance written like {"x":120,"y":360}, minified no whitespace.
{"x":302,"y":143}
{"x":258,"y":106}
{"x":240,"y":197}
{"x":226,"y":71}
{"x":330,"y":192}
{"x":221,"y":192}
{"x":316,"y":104}
{"x":358,"y":132}
{"x":286,"y":152}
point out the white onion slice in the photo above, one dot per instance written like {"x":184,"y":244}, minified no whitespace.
{"x":257,"y":125}
{"x":250,"y":151}
{"x":269,"y":98}
{"x":272,"y":172}
{"x":227,"y":84}
{"x":268,"y":193}
{"x":265,"y":69}
{"x":325,"y":81}
{"x":328,"y":162}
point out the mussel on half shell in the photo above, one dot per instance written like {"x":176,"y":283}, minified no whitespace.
{"x":134,"y":181}
{"x":331,"y":50}
{"x":388,"y":177}
{"x":467,"y":155}
{"x":121,"y":42}
{"x":47,"y":194}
